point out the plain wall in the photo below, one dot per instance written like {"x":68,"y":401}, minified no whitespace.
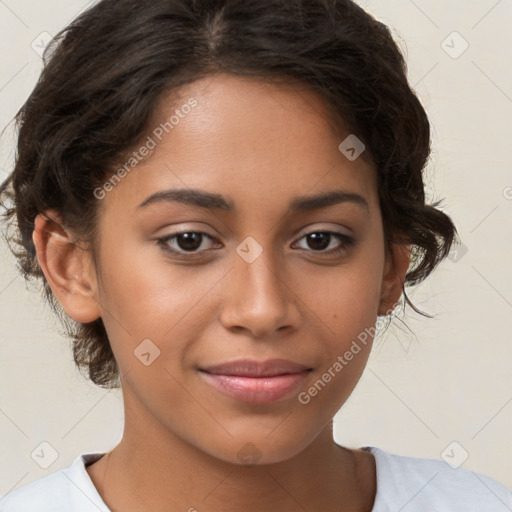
{"x":446,"y":379}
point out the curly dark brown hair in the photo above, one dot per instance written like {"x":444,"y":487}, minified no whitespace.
{"x":104,"y":74}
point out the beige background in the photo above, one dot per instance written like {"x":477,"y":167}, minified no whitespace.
{"x":449,"y":380}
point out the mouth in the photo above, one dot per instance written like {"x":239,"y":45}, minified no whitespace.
{"x":256,"y":382}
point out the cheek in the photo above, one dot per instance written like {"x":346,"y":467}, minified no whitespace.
{"x":145,"y":296}
{"x":346,"y":302}
{"x":348,"y":294}
{"x":138,"y":285}
{"x":346,"y":307}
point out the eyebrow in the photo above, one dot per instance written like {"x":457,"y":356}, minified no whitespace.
{"x":213,"y":201}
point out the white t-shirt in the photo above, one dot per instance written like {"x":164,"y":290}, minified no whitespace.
{"x":405,"y":484}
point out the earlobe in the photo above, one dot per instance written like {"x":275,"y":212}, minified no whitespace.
{"x":397,"y":264}
{"x":67,"y":267}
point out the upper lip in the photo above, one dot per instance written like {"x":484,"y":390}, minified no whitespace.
{"x":252,"y":368}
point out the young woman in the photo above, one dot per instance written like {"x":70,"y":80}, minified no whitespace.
{"x":222,"y":198}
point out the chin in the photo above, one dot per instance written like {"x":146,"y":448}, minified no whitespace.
{"x":247,"y":453}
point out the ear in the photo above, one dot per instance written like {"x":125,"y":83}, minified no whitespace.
{"x":397,"y":262}
{"x":67,"y":267}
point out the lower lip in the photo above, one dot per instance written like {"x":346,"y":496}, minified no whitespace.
{"x":257,"y":390}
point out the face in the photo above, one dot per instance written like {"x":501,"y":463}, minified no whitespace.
{"x":250,"y":277}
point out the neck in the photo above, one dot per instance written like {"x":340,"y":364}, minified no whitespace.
{"x":154,"y":469}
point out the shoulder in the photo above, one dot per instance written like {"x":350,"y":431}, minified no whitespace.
{"x":37,"y":495}
{"x":65,"y":490}
{"x":424,"y":483}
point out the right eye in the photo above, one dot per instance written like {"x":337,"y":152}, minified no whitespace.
{"x":184,"y":242}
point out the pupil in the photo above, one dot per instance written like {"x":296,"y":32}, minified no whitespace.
{"x":315,"y":237}
{"x":189,"y":242}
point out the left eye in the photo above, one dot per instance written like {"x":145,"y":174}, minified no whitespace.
{"x":190,"y":241}
{"x":320,"y":240}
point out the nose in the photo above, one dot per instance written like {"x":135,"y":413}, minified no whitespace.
{"x":257,"y":298}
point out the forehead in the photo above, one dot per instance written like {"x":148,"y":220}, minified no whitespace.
{"x":252,"y":141}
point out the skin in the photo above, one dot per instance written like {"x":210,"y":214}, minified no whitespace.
{"x":260,"y":146}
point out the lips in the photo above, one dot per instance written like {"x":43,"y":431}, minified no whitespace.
{"x":254,"y":381}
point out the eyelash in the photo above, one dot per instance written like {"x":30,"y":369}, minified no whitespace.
{"x":346,"y":242}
